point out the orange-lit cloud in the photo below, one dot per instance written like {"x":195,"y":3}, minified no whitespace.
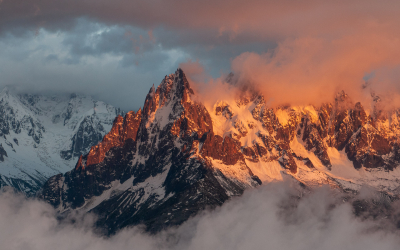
{"x":310,"y":70}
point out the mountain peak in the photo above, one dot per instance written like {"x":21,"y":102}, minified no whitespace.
{"x":184,"y":90}
{"x":181,"y":158}
{"x":4,"y":91}
{"x":174,"y":87}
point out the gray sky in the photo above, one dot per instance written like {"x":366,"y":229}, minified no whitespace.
{"x":116,"y":49}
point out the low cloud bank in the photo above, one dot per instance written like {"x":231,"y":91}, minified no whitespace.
{"x":275,"y":216}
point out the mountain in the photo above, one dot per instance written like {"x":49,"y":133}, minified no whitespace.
{"x":41,"y":136}
{"x":176,"y":156}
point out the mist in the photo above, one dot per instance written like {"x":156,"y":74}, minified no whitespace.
{"x":274,"y":216}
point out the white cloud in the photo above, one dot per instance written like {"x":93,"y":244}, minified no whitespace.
{"x":271,"y":217}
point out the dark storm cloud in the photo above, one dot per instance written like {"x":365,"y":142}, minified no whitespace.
{"x":265,"y":18}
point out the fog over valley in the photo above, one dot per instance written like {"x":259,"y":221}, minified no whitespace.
{"x":277,"y":215}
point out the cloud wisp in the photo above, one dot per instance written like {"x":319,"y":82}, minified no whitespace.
{"x":271,"y":217}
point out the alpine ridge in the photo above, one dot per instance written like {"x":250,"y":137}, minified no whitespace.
{"x":176,"y":156}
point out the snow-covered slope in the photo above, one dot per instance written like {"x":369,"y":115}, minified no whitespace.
{"x":41,"y":136}
{"x":177,"y":156}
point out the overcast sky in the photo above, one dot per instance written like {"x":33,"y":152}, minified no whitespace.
{"x":116,"y":49}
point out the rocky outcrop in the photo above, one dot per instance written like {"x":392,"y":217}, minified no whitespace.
{"x":2,"y":153}
{"x":89,"y":132}
{"x":225,"y":149}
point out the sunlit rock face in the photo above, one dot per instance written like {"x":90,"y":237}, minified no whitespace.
{"x":41,"y":135}
{"x":122,"y":130}
{"x":177,"y":156}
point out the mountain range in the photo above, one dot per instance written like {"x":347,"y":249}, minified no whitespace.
{"x":179,"y":155}
{"x":43,"y":135}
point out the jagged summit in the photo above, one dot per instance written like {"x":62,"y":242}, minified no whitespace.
{"x":173,"y":87}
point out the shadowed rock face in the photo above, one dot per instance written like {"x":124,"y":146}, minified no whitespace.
{"x":163,"y":164}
